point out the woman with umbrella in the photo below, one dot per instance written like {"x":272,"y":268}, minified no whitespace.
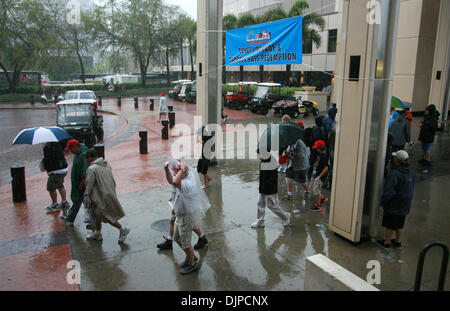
{"x":54,"y":162}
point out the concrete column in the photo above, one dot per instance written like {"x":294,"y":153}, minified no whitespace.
{"x":361,"y":120}
{"x":440,"y":78}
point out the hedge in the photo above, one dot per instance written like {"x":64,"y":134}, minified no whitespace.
{"x":284,"y":92}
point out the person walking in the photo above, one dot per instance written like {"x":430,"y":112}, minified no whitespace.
{"x":78,"y":176}
{"x":101,"y":191}
{"x":398,"y":191}
{"x":268,"y":189}
{"x":322,"y":170}
{"x":401,"y":132}
{"x":428,"y":129}
{"x":187,"y":206}
{"x":298,"y":155}
{"x":167,"y":244}
{"x":56,"y":166}
{"x":162,"y":107}
{"x":204,"y":161}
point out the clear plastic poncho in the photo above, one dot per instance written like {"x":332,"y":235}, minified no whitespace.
{"x":192,"y":198}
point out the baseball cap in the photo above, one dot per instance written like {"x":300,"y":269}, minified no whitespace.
{"x":72,"y":143}
{"x":162,"y":93}
{"x":401,"y":154}
{"x":301,"y":124}
{"x":319,"y":143}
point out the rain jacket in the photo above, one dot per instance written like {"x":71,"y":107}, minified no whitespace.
{"x":162,"y":105}
{"x":101,"y":188}
{"x":398,"y":191}
{"x":299,"y":156}
{"x":318,"y":131}
{"x":400,"y":131}
{"x":429,"y":126}
{"x":79,"y":168}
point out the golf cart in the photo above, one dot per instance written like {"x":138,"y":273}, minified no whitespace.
{"x":79,"y":118}
{"x":177,"y":88}
{"x":266,"y":94}
{"x":185,"y":88}
{"x":191,"y":96}
{"x":240,"y":98}
{"x":295,"y":107}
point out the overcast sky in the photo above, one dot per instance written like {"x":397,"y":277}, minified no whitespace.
{"x":189,"y":6}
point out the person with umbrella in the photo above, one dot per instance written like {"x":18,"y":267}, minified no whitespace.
{"x":53,"y":162}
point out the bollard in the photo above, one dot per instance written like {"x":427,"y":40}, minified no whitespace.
{"x":100,"y":150}
{"x":165,"y":129}
{"x":152,"y":104}
{"x":143,"y":142}
{"x":18,"y":183}
{"x":32,"y":99}
{"x":170,"y":108}
{"x":171,"y":119}
{"x":136,"y":103}
{"x":100,"y":101}
{"x":119,"y":101}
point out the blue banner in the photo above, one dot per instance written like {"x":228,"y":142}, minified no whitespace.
{"x":274,"y":43}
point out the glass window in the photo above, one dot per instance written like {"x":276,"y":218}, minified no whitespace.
{"x":307,"y":47}
{"x":87,"y":95}
{"x":332,"y":39}
{"x":73,"y":114}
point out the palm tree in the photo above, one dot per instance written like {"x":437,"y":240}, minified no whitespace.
{"x":229,"y":22}
{"x":309,"y":31}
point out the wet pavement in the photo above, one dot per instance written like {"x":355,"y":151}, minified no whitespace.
{"x":35,"y":247}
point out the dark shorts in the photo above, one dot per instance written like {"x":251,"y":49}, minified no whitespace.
{"x":202,"y":166}
{"x":393,"y":222}
{"x":426,"y":147}
{"x":55,"y":181}
{"x":298,"y":176}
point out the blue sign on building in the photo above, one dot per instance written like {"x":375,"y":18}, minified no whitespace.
{"x":274,"y":43}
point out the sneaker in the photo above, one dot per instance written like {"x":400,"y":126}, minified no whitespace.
{"x":189,"y":269}
{"x":123,"y":234}
{"x":95,"y":236}
{"x":186,"y":263}
{"x":286,"y":197}
{"x":316,"y":208}
{"x":90,"y":227}
{"x":257,"y":224}
{"x":396,"y":244}
{"x":287,"y":222}
{"x":382,"y":244}
{"x":324,"y":199}
{"x":64,"y":204}
{"x":166,"y":245}
{"x":52,"y":208}
{"x":202,"y":242}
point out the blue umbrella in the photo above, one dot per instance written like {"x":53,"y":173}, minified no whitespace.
{"x":39,"y":135}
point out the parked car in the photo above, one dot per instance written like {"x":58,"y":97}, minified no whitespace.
{"x":79,"y":118}
{"x":81,"y":94}
{"x":240,"y":99}
{"x":295,"y":107}
{"x":191,"y":96}
{"x":173,"y":93}
{"x":185,"y":88}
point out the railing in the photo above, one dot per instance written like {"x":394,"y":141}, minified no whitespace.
{"x":422,"y":261}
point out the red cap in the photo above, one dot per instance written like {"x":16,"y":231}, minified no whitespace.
{"x":319,"y":143}
{"x":162,"y":93}
{"x":301,"y":124}
{"x":72,"y":143}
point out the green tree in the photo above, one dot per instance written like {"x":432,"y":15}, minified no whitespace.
{"x":168,"y":41}
{"x":245,"y":20}
{"x":229,"y":22}
{"x":273,"y":15}
{"x":310,"y":23}
{"x":27,"y":35}
{"x":131,"y":25}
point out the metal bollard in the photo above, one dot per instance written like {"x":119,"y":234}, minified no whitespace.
{"x":19,"y":192}
{"x":100,"y":101}
{"x":171,"y":119}
{"x":100,"y":150}
{"x":143,"y":142}
{"x":165,"y":129}
{"x":32,"y":99}
{"x":136,"y":103}
{"x":152,"y":104}
{"x":119,"y":101}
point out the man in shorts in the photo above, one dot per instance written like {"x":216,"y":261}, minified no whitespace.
{"x":321,"y":175}
{"x":298,"y":155}
{"x":56,"y":166}
{"x":398,"y":191}
{"x":203,"y":162}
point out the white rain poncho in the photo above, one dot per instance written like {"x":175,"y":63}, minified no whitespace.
{"x":191,"y":198}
